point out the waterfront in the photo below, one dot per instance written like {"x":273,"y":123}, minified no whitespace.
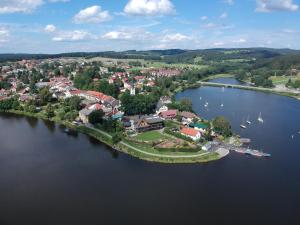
{"x":49,"y":177}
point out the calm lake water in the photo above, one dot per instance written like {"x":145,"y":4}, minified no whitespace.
{"x":50,"y":178}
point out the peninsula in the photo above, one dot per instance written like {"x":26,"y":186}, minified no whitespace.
{"x":129,"y":104}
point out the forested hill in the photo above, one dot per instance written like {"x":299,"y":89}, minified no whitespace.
{"x":282,"y":62}
{"x":175,"y":55}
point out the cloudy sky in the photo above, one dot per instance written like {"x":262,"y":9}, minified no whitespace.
{"x":55,"y":26}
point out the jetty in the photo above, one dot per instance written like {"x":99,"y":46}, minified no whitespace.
{"x":251,"y":152}
{"x":244,"y":150}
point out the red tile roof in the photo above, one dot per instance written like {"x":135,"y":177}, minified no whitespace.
{"x":189,"y":131}
{"x":169,"y":113}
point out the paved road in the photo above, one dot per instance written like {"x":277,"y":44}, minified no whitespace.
{"x":165,"y":156}
{"x":245,"y":87}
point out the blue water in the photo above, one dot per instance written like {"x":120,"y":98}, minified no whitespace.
{"x":48,"y":177}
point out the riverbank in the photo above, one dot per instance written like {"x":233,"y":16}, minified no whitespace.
{"x":127,"y":148}
{"x":205,"y":82}
{"x":251,"y":88}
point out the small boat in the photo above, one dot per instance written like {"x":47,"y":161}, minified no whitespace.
{"x":206,"y":104}
{"x":260,"y":119}
{"x":292,"y":136}
{"x":67,"y":130}
{"x":243,"y":126}
{"x":200,"y":98}
{"x":299,"y":132}
{"x":222,"y":105}
{"x":248,"y":121}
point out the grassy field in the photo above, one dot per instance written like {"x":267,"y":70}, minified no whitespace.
{"x":151,"y":136}
{"x":222,"y":75}
{"x":283,"y":79}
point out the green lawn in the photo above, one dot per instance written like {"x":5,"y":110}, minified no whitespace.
{"x":215,"y":76}
{"x":282,"y":79}
{"x":151,"y":136}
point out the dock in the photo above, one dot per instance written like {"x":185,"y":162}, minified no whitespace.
{"x":251,"y":152}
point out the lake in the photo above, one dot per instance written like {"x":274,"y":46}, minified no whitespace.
{"x":48,"y":177}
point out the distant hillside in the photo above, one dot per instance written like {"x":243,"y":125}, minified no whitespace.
{"x":282,"y":62}
{"x":170,"y":55}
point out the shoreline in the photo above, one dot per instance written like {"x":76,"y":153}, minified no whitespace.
{"x":126,"y":148}
{"x":200,"y":84}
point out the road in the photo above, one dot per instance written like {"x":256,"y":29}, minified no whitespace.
{"x":152,"y":154}
{"x":246,"y":87}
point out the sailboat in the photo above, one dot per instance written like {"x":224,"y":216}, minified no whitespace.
{"x":260,"y":119}
{"x":248,"y":121}
{"x":206,"y":105}
{"x":222,"y":105}
{"x":243,"y":125}
{"x":200,"y":98}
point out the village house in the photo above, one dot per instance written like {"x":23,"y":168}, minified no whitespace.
{"x":199,"y":126}
{"x":187,"y":117}
{"x":169,"y":114}
{"x":147,"y":123}
{"x":84,"y":114}
{"x":191,"y":133}
{"x":140,"y":79}
{"x":161,"y":106}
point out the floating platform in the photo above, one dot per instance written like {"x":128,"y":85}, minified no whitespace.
{"x":245,"y":140}
{"x":251,"y":152}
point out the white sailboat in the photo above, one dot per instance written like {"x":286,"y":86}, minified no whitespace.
{"x":260,"y":119}
{"x":206,"y":105}
{"x":200,"y":98}
{"x":243,"y":125}
{"x":222,"y":105}
{"x":248,"y":121}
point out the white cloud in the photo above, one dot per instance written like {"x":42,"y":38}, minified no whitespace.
{"x":210,"y":25}
{"x":76,"y":35}
{"x":93,"y":14}
{"x":229,"y":2}
{"x":204,"y":18}
{"x":54,"y":1}
{"x":218,"y":44}
{"x":217,"y":26}
{"x":223,"y":15}
{"x":4,"y":34}
{"x":133,"y":35}
{"x":276,"y":5}
{"x":19,"y":6}
{"x":240,"y":41}
{"x":175,"y":38}
{"x":50,"y":28}
{"x":149,"y":7}
{"x":117,"y":35}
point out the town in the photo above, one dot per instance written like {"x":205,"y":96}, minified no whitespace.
{"x":127,"y":104}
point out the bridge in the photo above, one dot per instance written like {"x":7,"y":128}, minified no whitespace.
{"x":286,"y":92}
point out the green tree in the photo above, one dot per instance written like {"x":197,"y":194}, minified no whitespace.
{"x":116,"y":138}
{"x":222,"y":126}
{"x":73,"y":103}
{"x":50,"y":111}
{"x":96,"y":117}
{"x":44,"y":96}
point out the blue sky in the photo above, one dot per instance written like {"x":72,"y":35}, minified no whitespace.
{"x":55,"y":26}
